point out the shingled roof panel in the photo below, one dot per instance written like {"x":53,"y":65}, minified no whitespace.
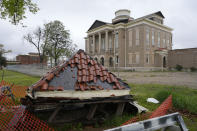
{"x":80,"y":73}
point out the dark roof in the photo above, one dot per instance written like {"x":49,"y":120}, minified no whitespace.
{"x":96,"y":24}
{"x":80,"y":73}
{"x":121,"y":21}
{"x":159,"y":14}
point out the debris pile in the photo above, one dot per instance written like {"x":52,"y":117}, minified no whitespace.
{"x":80,"y":83}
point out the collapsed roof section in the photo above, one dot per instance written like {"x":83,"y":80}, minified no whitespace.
{"x":80,"y":73}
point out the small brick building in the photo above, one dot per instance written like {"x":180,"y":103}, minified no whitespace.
{"x":31,"y":58}
{"x":184,"y":57}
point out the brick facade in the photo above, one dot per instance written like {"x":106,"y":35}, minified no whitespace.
{"x":184,"y":57}
{"x":31,"y":58}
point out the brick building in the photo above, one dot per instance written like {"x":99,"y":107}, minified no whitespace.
{"x":129,"y":43}
{"x":184,"y":57}
{"x":31,"y":58}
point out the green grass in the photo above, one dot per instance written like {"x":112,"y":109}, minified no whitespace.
{"x":115,"y":121}
{"x":183,"y":98}
{"x":18,"y":78}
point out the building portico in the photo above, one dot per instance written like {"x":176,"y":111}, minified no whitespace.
{"x":127,"y":42}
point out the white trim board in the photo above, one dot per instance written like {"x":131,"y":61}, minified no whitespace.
{"x":81,"y":94}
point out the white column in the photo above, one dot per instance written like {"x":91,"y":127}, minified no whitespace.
{"x":106,"y":40}
{"x":99,"y":42}
{"x":93,"y":43}
{"x":88,"y":45}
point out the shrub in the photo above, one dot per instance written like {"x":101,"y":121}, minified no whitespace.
{"x":179,"y":67}
{"x":193,"y":69}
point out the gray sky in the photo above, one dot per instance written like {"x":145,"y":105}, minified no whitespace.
{"x":78,"y":16}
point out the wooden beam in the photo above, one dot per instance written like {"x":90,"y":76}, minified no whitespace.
{"x":51,"y":118}
{"x":120,"y":109}
{"x":92,"y":111}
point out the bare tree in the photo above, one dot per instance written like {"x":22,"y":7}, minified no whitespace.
{"x":39,"y":41}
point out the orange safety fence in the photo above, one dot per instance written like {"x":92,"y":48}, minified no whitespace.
{"x":15,"y":117}
{"x":160,"y":111}
{"x":18,"y":91}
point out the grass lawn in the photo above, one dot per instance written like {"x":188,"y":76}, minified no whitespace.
{"x":188,"y":96}
{"x":140,"y":92}
{"x":18,"y":78}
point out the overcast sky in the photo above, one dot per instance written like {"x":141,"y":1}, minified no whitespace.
{"x":78,"y":16}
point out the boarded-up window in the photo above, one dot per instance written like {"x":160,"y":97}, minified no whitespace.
{"x":110,"y":42}
{"x":116,"y":40}
{"x":153,"y":59}
{"x":168,"y":41}
{"x":164,"y":40}
{"x":130,"y":58}
{"x":137,"y":58}
{"x":153,"y":37}
{"x":147,"y":36}
{"x":134,"y":58}
{"x":147,"y":58}
{"x":159,"y":45}
{"x":103,"y":43}
{"x":130,"y":38}
{"x":137,"y":36}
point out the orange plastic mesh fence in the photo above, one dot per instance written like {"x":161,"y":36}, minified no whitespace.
{"x":163,"y":108}
{"x":160,"y":111}
{"x":14,"y":116}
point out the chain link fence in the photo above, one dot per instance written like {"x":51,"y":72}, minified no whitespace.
{"x":33,"y":69}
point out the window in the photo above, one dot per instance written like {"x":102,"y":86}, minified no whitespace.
{"x":147,"y":36}
{"x":168,"y":41}
{"x":96,"y":44}
{"x":137,"y":58}
{"x":110,"y":42}
{"x":117,"y":59}
{"x":164,"y":41}
{"x":116,"y":40}
{"x":96,"y":59}
{"x":133,"y":58}
{"x":147,"y":58}
{"x":102,"y":61}
{"x":159,"y":45}
{"x":130,"y":58}
{"x":92,"y":42}
{"x":103,"y":43}
{"x":130,"y":38}
{"x":110,"y":61}
{"x":153,"y":37}
{"x":137,"y":36}
{"x":92,"y":45}
{"x":153,"y":59}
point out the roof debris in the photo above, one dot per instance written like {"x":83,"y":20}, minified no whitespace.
{"x":79,"y":73}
